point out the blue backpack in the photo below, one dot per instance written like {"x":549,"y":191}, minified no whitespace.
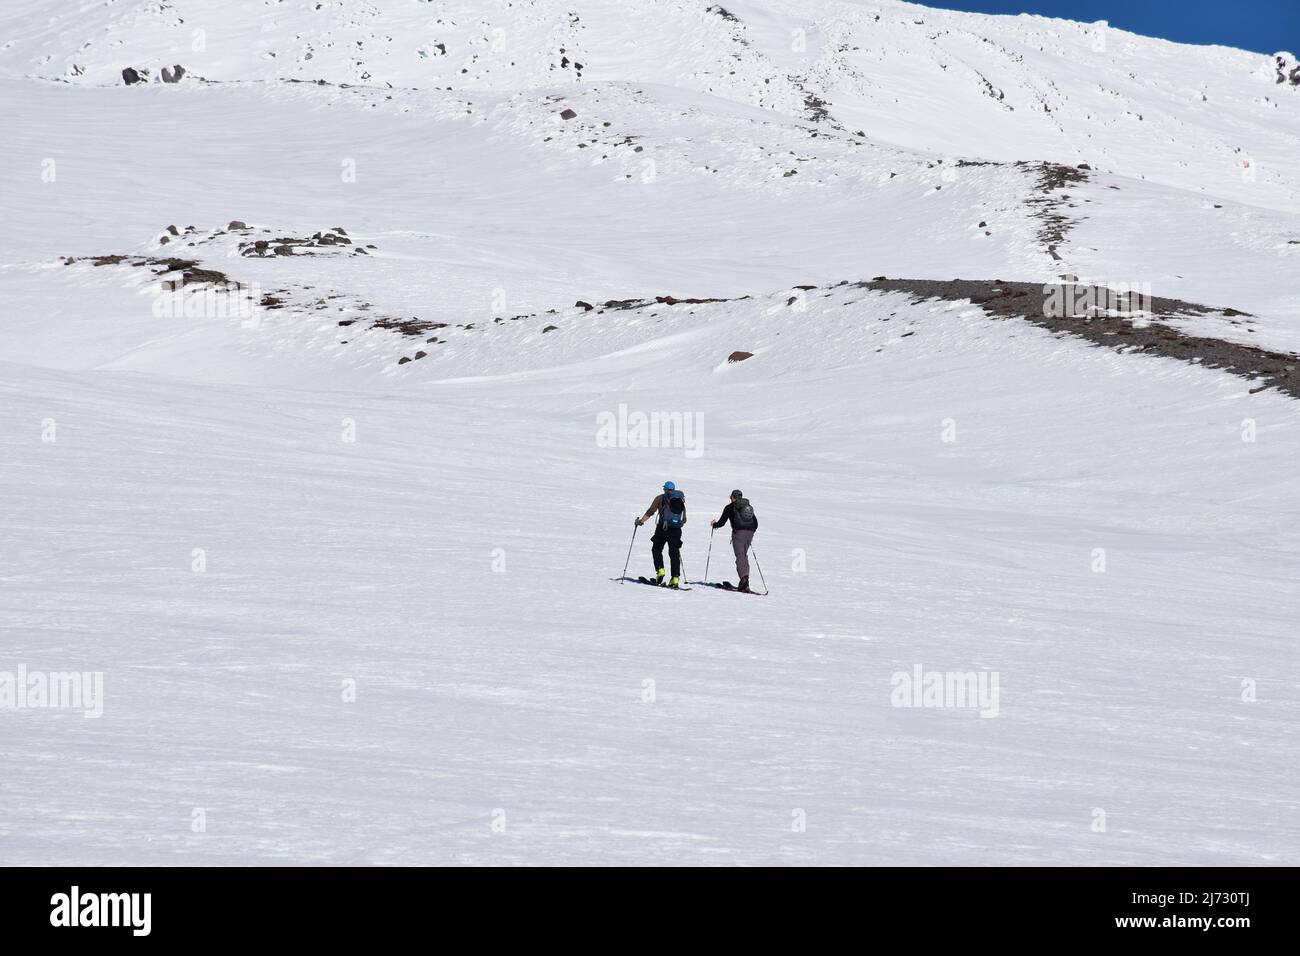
{"x":674,"y":510}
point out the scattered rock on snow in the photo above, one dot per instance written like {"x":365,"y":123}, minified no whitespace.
{"x":319,"y":243}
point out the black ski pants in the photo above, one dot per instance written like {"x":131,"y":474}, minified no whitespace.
{"x":673,"y":538}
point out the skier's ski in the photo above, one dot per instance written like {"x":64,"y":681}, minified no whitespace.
{"x":728,"y":586}
{"x":655,"y":584}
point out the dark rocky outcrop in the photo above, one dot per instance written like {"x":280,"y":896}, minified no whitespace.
{"x":292,"y":245}
{"x":176,"y":273}
{"x":414,"y":326}
{"x":673,"y":300}
{"x":1113,"y":328}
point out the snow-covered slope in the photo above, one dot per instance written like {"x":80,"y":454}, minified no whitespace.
{"x":364,"y":441}
{"x":454,"y":560}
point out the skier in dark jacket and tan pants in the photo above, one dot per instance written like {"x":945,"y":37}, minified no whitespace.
{"x":743,"y":525}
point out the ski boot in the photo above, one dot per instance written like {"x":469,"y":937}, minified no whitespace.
{"x":744,"y":584}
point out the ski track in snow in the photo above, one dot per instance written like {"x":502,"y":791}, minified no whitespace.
{"x":516,"y":694}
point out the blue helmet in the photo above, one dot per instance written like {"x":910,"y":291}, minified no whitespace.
{"x":669,"y":486}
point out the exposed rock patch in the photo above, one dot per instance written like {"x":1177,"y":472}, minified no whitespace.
{"x":331,"y":241}
{"x":413,"y":326}
{"x":673,"y":300}
{"x":1112,"y":328}
{"x":1287,"y":71}
{"x":177,"y":273}
{"x":1046,"y":203}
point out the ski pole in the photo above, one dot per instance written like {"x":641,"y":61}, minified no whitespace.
{"x":708,"y":556}
{"x":760,"y":568}
{"x":635,"y":529}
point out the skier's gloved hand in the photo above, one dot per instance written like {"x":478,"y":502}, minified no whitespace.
{"x":639,"y":521}
{"x":713,"y":524}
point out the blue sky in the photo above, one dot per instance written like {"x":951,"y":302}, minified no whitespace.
{"x":1265,"y":26}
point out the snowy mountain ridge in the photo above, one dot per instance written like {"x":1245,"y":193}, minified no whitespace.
{"x":1005,"y":88}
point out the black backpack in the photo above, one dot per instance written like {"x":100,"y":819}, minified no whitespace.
{"x":742,"y":515}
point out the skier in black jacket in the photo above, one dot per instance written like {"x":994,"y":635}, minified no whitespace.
{"x":743,"y":525}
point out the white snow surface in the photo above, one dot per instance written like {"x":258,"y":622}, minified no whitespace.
{"x":404,"y":644}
